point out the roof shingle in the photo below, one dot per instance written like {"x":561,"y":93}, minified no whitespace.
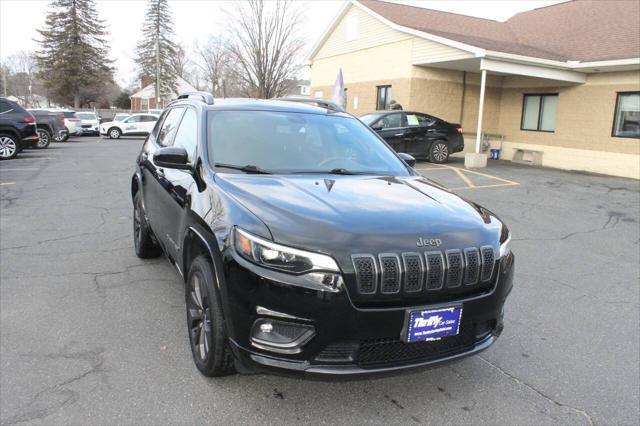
{"x":577,"y":30}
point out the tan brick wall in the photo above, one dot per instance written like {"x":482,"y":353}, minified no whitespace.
{"x":585,"y":114}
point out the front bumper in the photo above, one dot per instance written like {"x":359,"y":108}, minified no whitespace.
{"x":371,"y":335}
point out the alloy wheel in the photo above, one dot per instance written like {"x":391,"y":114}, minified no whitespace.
{"x":440,"y":152}
{"x":44,"y":139}
{"x":114,"y":133}
{"x":7,"y":147}
{"x":199,"y":317}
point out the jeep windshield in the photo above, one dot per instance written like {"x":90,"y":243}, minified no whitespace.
{"x":290,"y":142}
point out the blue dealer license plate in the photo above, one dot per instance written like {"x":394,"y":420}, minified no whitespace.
{"x":433,"y":324}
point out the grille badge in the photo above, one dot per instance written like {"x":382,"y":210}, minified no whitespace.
{"x":429,"y":242}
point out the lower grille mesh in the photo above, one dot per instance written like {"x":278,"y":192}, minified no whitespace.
{"x":378,"y":352}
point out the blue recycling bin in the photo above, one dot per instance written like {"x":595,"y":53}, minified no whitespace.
{"x":495,"y":154}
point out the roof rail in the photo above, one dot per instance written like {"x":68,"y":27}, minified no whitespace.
{"x":206,"y":97}
{"x":323,"y":103}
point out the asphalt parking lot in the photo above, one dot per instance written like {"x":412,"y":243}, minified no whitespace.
{"x":90,"y":334}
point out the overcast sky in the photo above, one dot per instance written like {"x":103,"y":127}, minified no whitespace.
{"x":195,"y":20}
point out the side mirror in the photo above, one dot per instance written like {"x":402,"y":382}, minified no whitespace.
{"x":172,"y":158}
{"x":407,"y":159}
{"x":376,"y":127}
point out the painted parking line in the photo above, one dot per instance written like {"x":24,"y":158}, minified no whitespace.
{"x":7,"y":183}
{"x":34,"y":158}
{"x":26,"y":169}
{"x":462,"y":174}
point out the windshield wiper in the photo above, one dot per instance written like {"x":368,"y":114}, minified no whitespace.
{"x":337,"y":171}
{"x":249,"y":168}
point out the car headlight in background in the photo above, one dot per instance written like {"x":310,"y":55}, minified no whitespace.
{"x":505,"y":242}
{"x":312,"y":270}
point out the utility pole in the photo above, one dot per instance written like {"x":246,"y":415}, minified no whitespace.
{"x":158,"y":60}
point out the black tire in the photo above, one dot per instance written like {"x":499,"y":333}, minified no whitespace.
{"x":114,"y":133}
{"x":61,"y":139}
{"x":45,"y":139}
{"x":205,"y":322}
{"x":143,"y":240}
{"x":9,"y":146}
{"x":439,"y":152}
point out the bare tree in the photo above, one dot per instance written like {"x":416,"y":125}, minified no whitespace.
{"x":265,"y":47}
{"x":21,"y":70}
{"x":213,"y":61}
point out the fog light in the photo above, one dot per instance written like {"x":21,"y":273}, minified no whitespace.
{"x":280,"y":336}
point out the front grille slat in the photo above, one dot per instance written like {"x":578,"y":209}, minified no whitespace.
{"x":435,"y":270}
{"x":389,"y":273}
{"x":455,"y":268}
{"x":366,"y":273}
{"x":472,"y":266}
{"x":413,"y":272}
{"x":488,"y":261}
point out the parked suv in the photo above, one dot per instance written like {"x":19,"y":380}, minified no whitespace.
{"x":17,"y":129}
{"x":421,"y":135}
{"x":309,"y":247}
{"x":49,"y":125}
{"x":89,"y":123}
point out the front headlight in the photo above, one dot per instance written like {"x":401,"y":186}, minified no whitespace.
{"x":505,"y":242}
{"x":279,"y":257}
{"x":311,"y":270}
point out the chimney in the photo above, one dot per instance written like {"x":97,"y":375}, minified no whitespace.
{"x":146,"y":80}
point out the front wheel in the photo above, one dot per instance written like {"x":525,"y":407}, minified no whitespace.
{"x":45,"y":139}
{"x":439,"y":152}
{"x":9,"y":147}
{"x":114,"y":133}
{"x":143,"y":241}
{"x":207,"y":331}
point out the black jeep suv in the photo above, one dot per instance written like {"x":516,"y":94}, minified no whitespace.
{"x":17,"y":129}
{"x":308,"y":246}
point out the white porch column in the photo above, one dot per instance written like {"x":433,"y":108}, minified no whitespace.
{"x":478,"y":159}
{"x":483,"y":82}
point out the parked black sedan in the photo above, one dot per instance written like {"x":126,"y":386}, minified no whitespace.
{"x":420,"y":135}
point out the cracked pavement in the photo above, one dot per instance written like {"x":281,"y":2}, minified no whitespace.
{"x":89,"y":334}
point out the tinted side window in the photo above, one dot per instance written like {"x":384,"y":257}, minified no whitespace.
{"x":135,"y":119}
{"x":187,"y":134}
{"x":148,"y":118}
{"x":168,"y":129}
{"x":5,"y":106}
{"x":392,"y":120}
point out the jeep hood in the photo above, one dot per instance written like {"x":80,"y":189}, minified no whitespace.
{"x":343,"y":215}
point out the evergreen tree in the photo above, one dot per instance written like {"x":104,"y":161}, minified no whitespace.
{"x":73,"y":57}
{"x":156,"y":52}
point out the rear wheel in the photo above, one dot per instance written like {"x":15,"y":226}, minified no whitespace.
{"x":114,"y":133}
{"x":439,"y":152}
{"x":9,"y":147}
{"x":207,"y":332}
{"x":45,"y":139}
{"x":145,"y":245}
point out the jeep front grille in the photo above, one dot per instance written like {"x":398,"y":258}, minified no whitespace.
{"x":423,"y":273}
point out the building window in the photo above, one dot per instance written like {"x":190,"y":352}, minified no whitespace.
{"x":539,"y":112}
{"x":352,"y":27}
{"x":144,"y":104}
{"x":384,"y":97}
{"x":305,"y":90}
{"x":626,"y":121}
{"x":318,"y":94}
